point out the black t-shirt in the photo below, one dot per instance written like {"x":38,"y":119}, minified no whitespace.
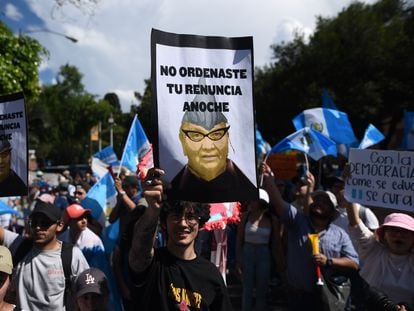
{"x":170,"y":282}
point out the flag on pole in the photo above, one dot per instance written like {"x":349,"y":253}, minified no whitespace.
{"x":262,"y":146}
{"x":308,"y":141}
{"x":137,"y":148}
{"x":108,"y":156}
{"x":102,"y":159}
{"x":6,"y":209}
{"x":371,"y":137}
{"x":327,"y":101}
{"x":408,"y":140}
{"x":332,"y":123}
{"x":99,"y":197}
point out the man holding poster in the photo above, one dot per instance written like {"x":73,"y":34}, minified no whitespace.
{"x":13,"y":146}
{"x":204,"y":93}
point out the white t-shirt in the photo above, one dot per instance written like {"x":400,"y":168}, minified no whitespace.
{"x":40,"y":277}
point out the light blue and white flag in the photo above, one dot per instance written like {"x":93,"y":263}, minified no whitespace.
{"x":327,"y":101}
{"x":332,"y":123}
{"x":102,"y":159}
{"x":99,"y":197}
{"x":308,"y":141}
{"x":408,"y":140}
{"x":371,"y":137}
{"x":262,"y":146}
{"x":6,"y":209}
{"x":108,"y":156}
{"x":136,"y":146}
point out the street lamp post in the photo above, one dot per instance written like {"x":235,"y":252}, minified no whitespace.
{"x":74,"y":40}
{"x":111,"y":132}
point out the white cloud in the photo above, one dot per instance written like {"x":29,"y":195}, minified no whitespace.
{"x":12,"y":12}
{"x":113,"y":51}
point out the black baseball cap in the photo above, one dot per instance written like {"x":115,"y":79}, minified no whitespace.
{"x":91,"y":280}
{"x":51,"y":211}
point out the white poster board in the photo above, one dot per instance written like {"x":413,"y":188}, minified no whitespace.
{"x":381,"y":178}
{"x":184,"y":69}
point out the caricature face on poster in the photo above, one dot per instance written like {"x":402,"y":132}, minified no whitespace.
{"x":204,"y":114}
{"x":13,"y":146}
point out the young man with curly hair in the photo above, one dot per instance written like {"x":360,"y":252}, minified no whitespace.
{"x":173,"y":277}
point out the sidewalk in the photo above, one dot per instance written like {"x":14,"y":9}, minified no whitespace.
{"x":276,"y":296}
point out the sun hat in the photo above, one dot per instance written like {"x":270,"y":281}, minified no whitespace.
{"x":399,"y":220}
{"x":6,"y":262}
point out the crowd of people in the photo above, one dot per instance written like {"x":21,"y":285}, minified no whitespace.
{"x":58,"y":259}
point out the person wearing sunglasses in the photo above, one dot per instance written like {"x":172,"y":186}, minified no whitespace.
{"x":39,"y":278}
{"x":174,"y":277}
{"x":209,"y":176}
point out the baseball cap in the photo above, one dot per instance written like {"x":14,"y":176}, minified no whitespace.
{"x":74,"y":211}
{"x":331,"y":197}
{"x":399,"y":220}
{"x":91,"y":280}
{"x":50,"y":210}
{"x":6,"y":262}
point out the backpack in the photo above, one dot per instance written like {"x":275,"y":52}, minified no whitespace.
{"x":66,"y":257}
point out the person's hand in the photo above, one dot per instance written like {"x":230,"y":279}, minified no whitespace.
{"x":265,"y":169}
{"x":153,"y":187}
{"x":310,"y":180}
{"x":320,"y":259}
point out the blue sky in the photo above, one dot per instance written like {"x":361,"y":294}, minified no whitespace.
{"x":113,"y":48}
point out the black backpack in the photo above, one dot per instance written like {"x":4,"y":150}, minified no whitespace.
{"x":66,"y":256}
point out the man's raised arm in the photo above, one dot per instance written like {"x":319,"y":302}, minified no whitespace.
{"x":145,"y":229}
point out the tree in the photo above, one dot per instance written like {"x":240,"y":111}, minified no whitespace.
{"x":19,"y":63}
{"x":60,"y":122}
{"x":363,"y":56}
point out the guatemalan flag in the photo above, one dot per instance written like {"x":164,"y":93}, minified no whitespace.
{"x":308,"y":141}
{"x":262,"y":146}
{"x":102,"y":159}
{"x":371,"y":137}
{"x":327,"y":101}
{"x":137,"y":153}
{"x":332,"y":123}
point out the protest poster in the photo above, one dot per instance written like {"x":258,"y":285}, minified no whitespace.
{"x":202,"y":90}
{"x":13,"y":146}
{"x":381,"y":178}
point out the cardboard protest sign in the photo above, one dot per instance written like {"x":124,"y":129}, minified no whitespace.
{"x":381,"y":178}
{"x":13,"y":146}
{"x":203,"y":108}
{"x":285,"y":166}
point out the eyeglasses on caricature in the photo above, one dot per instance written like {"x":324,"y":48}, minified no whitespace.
{"x":213,"y":135}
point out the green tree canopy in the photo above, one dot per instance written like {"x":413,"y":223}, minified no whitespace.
{"x":363,"y":56}
{"x":20,"y":57}
{"x":60,"y":122}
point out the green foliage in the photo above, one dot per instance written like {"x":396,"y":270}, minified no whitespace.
{"x":363,"y":56}
{"x":60,"y":122}
{"x":19,"y":61}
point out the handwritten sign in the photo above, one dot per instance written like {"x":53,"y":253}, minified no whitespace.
{"x":381,"y":178}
